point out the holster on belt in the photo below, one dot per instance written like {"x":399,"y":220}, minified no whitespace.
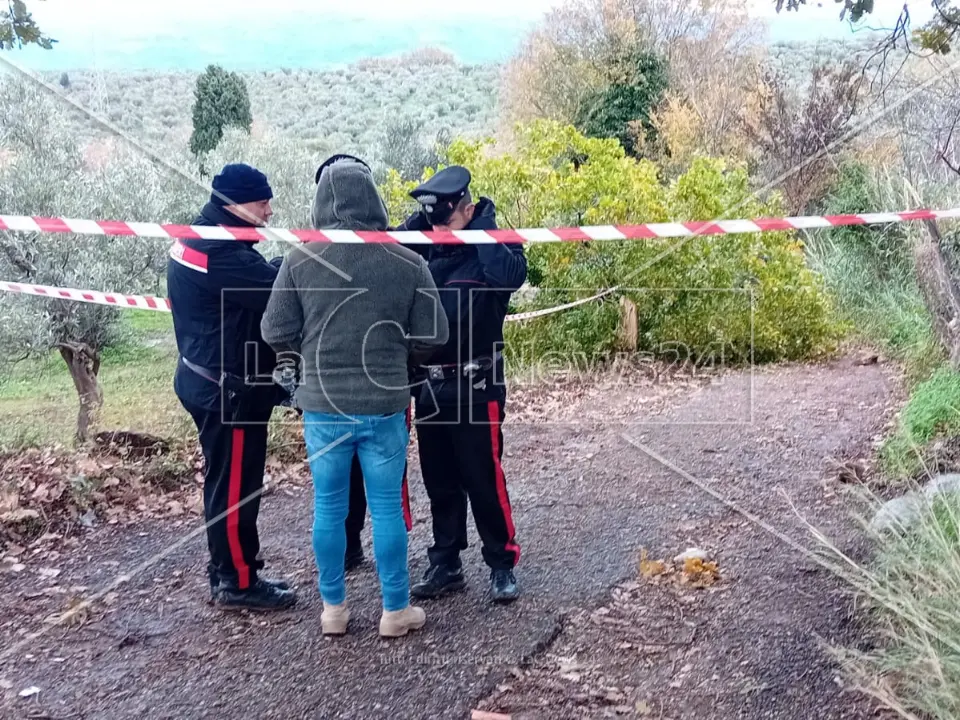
{"x":450,"y":372}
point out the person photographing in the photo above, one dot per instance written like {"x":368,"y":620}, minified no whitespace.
{"x":461,"y":395}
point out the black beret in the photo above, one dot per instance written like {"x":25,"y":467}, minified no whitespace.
{"x":331,"y":160}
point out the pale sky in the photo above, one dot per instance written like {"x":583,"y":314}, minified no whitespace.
{"x":156,"y":16}
{"x":123,"y":33}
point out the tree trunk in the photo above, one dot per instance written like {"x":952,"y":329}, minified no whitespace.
{"x":84,"y":365}
{"x":939,"y":292}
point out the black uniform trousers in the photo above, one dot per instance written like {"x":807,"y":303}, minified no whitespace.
{"x":235,"y":452}
{"x":461,"y":448}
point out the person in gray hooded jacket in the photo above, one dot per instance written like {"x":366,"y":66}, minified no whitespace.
{"x":354,"y":317}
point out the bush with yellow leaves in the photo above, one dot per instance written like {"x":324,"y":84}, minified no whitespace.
{"x":749,"y":295}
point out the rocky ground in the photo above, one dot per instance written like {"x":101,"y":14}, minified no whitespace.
{"x":598,"y":472}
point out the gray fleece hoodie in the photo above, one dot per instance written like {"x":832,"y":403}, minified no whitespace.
{"x":353,"y":312}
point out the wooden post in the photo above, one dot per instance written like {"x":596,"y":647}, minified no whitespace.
{"x":628,"y":325}
{"x":938,"y":288}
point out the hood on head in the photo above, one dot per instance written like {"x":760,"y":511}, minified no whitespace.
{"x":347,"y":199}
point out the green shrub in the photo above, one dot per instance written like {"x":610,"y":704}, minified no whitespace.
{"x":739,"y":291}
{"x":870,"y":275}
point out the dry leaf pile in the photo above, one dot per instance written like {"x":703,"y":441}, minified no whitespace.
{"x":694,"y":572}
{"x":56,"y":491}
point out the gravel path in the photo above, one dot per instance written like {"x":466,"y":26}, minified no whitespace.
{"x":590,"y":638}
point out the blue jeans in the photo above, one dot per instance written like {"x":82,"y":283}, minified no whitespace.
{"x":380,"y":442}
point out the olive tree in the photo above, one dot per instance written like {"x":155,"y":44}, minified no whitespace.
{"x":45,"y":172}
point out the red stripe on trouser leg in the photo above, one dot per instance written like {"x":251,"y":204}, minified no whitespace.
{"x":493,"y":411}
{"x":233,"y":510}
{"x":407,"y":514}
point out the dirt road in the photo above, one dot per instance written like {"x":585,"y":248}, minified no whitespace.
{"x":589,"y":638}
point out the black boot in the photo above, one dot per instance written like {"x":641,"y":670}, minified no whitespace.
{"x":439,"y":580}
{"x":503,"y":586}
{"x":261,"y":597}
{"x":215,"y":585}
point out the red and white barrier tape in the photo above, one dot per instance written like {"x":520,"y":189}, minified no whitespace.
{"x":20,"y":223}
{"x":149,"y":302}
{"x":143,"y":302}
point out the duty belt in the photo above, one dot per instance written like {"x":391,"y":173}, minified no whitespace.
{"x":203,"y":372}
{"x":446,"y":372}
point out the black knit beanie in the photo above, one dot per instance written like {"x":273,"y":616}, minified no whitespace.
{"x":238,"y":184}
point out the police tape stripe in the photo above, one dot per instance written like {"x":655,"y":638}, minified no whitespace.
{"x":559,"y":308}
{"x":20,"y":223}
{"x":149,"y":302}
{"x":143,"y":302}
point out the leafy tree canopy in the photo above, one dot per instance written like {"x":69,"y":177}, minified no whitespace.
{"x":221,"y":101}
{"x":18,"y":28}
{"x":936,"y":36}
{"x":622,"y":109}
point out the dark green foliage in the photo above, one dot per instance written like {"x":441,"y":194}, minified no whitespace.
{"x":855,"y":9}
{"x":882,"y":247}
{"x":18,"y":28}
{"x":221,"y":101}
{"x":622,"y":110}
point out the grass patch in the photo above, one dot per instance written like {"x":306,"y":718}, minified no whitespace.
{"x":39,"y":405}
{"x":882,"y":307}
{"x":38,"y":402}
{"x":911,"y":588}
{"x":149,"y":322}
{"x":932,"y":411}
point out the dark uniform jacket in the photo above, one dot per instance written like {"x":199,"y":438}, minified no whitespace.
{"x":475,"y":283}
{"x":218,"y":290}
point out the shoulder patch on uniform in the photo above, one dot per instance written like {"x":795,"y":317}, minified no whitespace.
{"x":188,"y":257}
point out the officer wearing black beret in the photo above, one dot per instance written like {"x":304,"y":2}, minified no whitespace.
{"x":460,"y":397}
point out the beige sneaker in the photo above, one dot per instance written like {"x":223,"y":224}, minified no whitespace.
{"x":334,"y":619}
{"x":399,"y":622}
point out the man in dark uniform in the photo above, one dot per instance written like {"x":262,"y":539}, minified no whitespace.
{"x":218,"y":290}
{"x":460,"y":398}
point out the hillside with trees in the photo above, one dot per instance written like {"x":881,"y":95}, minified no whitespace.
{"x":610,"y":112}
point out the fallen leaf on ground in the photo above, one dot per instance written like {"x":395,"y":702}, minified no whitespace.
{"x":700,"y":574}
{"x":29,"y":692}
{"x":643,"y":710}
{"x":481,"y":715}
{"x":19,"y":515}
{"x":651,"y":568}
{"x":9,"y":500}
